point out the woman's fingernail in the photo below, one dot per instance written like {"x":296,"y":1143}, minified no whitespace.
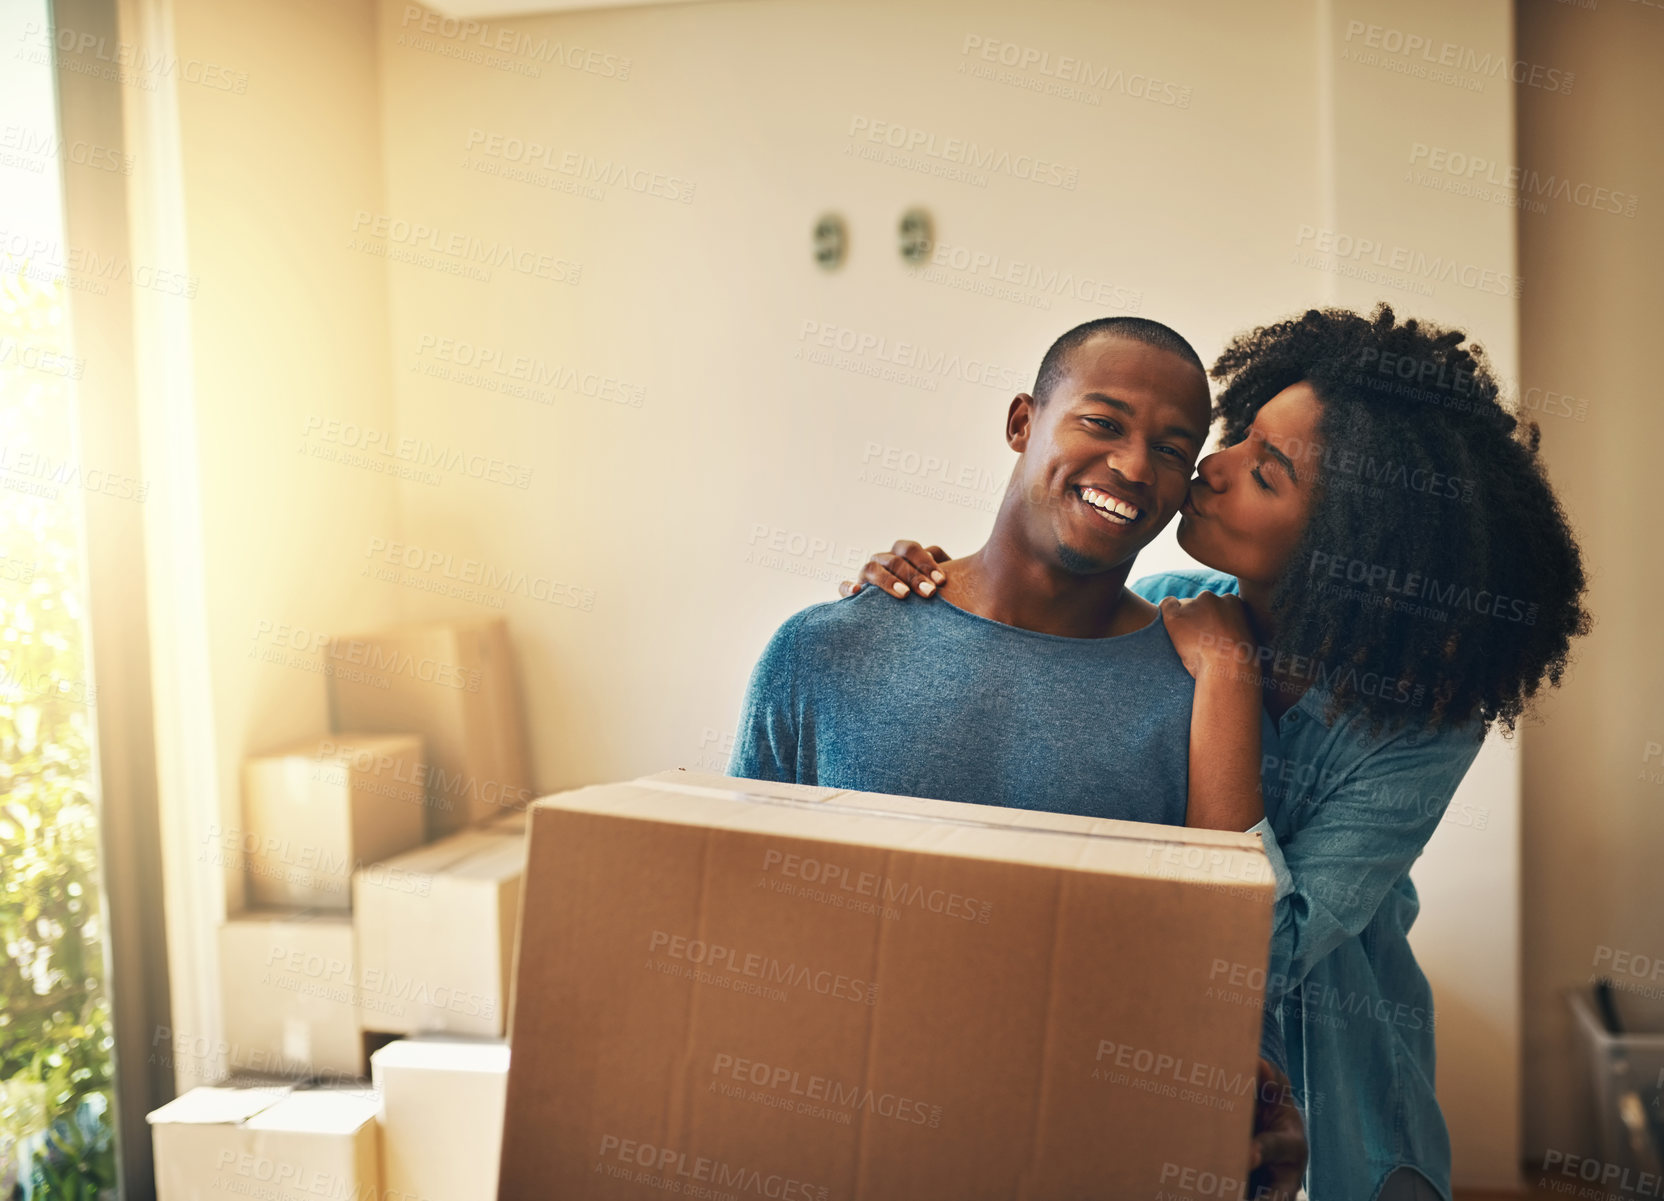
{"x":938,"y":577}
{"x":901,"y":589}
{"x":926,"y":587}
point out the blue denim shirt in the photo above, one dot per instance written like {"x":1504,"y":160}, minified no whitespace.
{"x":1347,"y":813}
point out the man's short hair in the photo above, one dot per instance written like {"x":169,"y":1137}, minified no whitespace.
{"x":1055,"y":366}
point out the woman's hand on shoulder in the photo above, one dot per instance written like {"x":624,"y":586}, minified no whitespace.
{"x":1211,"y":634}
{"x":905,"y":569}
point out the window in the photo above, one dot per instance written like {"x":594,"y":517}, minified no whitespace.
{"x":56,"y":1111}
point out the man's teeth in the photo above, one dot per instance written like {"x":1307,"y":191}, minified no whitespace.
{"x":1109,"y":506}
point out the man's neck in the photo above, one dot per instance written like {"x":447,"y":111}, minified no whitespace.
{"x":1010,"y":585}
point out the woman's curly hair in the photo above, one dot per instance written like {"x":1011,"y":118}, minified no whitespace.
{"x":1437,"y":576}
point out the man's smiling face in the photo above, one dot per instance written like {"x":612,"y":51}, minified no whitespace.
{"x":1108,"y":454}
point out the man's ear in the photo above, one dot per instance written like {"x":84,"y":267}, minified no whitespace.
{"x":1019,"y":421}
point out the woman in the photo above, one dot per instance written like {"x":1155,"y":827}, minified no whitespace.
{"x":1392,"y":578}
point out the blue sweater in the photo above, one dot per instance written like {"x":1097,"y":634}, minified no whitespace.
{"x":924,"y":699}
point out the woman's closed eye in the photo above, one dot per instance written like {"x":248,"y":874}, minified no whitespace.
{"x":1259,"y":479}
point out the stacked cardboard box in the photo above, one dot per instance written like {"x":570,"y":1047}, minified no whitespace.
{"x":453,"y":683}
{"x":276,"y":1143}
{"x":435,"y":934}
{"x":441,"y":1117}
{"x":428,"y":948}
{"x":290,"y":993}
{"x":428,"y":745}
{"x":732,"y":986}
{"x":319,"y":810}
{"x":313,"y":814}
{"x":353,"y":930}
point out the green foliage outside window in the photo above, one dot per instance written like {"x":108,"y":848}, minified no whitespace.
{"x":56,"y":1116}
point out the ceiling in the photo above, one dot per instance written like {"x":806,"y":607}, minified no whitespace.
{"x":523,"y":8}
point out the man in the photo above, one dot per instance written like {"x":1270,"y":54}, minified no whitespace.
{"x":1049,"y":680}
{"x":1046,"y":684}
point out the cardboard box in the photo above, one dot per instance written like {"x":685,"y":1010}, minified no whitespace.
{"x":435,"y":935}
{"x":804,"y":993}
{"x":290,"y":992}
{"x":276,"y":1144}
{"x":513,"y":822}
{"x":317,"y":810}
{"x":453,"y":683}
{"x":441,"y":1117}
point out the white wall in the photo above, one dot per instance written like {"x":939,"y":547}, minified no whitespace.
{"x":703,"y":305}
{"x":640,"y":583}
{"x":1594,"y":776}
{"x":1192,"y":214}
{"x":258,"y":144}
{"x":290,"y":329}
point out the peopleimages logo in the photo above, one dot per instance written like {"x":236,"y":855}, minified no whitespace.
{"x":86,"y":270}
{"x":1285,"y":671}
{"x":1064,"y":75}
{"x":381,"y":448}
{"x":1413,"y":585}
{"x":305,"y":864}
{"x":585,"y":168}
{"x":139,"y":59}
{"x":1523,"y":181}
{"x":1628,"y":963}
{"x":1311,"y":997}
{"x":816,"y":1090}
{"x":30,"y":148}
{"x":839,"y":876}
{"x":464,"y":250}
{"x":334,"y":760}
{"x":437,"y":564}
{"x":519,"y":375}
{"x":1415,"y":265}
{"x":1624,"y":1181}
{"x":34,"y":356}
{"x":1653,"y":749}
{"x":925,"y":474}
{"x":1170,"y":1075}
{"x":1044,"y":282}
{"x":378,"y":656}
{"x":1339,"y":460}
{"x":1200,"y":1181}
{"x":49,"y":474}
{"x":765,"y":969}
{"x":683,"y":1172}
{"x":509,"y":40}
{"x":1425,"y":54}
{"x":961,"y":152}
{"x":927,"y":364}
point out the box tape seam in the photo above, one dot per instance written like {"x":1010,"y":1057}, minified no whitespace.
{"x":761,"y":798}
